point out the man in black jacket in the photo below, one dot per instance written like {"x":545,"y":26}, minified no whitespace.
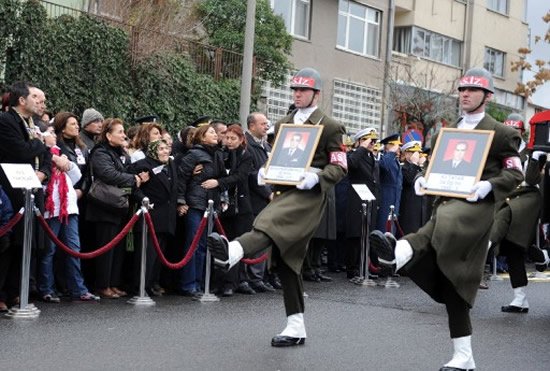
{"x":260,"y":196}
{"x":20,"y":144}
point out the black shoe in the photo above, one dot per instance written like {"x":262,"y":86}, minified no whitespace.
{"x":219,"y":248}
{"x":275,"y":281}
{"x":228,"y":292}
{"x":153,"y":293}
{"x":245,"y":289}
{"x":513,"y":309}
{"x":286,"y":341}
{"x":324,"y":278}
{"x":261,"y":287}
{"x":191,"y":293}
{"x":311,"y":278}
{"x":51,"y":298}
{"x":384,"y":245}
{"x":447,"y":368}
{"x":539,"y":257}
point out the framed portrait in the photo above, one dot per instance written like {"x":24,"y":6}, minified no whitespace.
{"x":457,"y":162}
{"x":292,"y":153}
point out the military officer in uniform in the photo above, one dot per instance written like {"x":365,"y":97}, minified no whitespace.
{"x":516,"y":222}
{"x":412,"y":208}
{"x":391,"y":179}
{"x":290,"y":220}
{"x":446,"y":256}
{"x":362,"y":169}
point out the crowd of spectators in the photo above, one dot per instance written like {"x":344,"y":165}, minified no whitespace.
{"x":208,"y":160}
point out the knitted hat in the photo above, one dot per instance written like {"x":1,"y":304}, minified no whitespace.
{"x":90,"y":115}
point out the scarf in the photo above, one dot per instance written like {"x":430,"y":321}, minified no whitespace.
{"x":63,"y":191}
{"x":152,"y":149}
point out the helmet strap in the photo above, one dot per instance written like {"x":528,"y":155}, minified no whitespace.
{"x":485,"y":94}
{"x":312,"y":98}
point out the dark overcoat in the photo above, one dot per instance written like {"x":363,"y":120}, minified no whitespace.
{"x":16,"y":147}
{"x":292,"y":218}
{"x":456,"y":238}
{"x":525,"y":206}
{"x":411,"y":209}
{"x":362,"y":169}
{"x":109,"y":164}
{"x":161,"y":189}
{"x":259,"y":195}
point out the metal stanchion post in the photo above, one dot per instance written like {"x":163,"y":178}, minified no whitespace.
{"x":208,"y":296}
{"x":494,"y":276}
{"x":364,"y":278}
{"x":390,"y":282}
{"x":26,"y":310}
{"x":536,"y":274}
{"x":143,"y":299}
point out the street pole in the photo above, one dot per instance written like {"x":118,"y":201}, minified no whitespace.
{"x":246,"y":81}
{"x":385,"y":124}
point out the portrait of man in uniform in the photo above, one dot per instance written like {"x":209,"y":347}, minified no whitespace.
{"x":292,"y":155}
{"x":457,"y":161}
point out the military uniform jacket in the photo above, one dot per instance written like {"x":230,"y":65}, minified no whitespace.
{"x":292,"y":218}
{"x":411,"y":209}
{"x":391,"y":182}
{"x":458,"y":232}
{"x":525,"y":204}
{"x":362,"y":169}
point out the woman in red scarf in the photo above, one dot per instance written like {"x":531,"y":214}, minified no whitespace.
{"x":61,"y":212}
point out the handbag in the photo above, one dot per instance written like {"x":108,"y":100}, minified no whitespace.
{"x":233,"y":204}
{"x":108,"y":196}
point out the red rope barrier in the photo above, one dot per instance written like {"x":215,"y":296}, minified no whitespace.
{"x":262,"y":258}
{"x":189,"y":254}
{"x":9,"y":225}
{"x":93,"y":254}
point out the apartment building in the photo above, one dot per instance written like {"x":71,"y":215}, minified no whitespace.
{"x":441,"y":39}
{"x":345,"y":41}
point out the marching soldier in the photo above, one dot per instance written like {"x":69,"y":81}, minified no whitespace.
{"x":291,"y":219}
{"x":516,"y":222}
{"x":446,"y":257}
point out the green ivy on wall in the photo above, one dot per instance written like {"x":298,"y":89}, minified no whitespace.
{"x":82,"y":62}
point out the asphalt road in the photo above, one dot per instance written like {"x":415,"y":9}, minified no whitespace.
{"x":349,"y":327}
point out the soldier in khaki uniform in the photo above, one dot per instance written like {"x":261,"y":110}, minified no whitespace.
{"x":446,"y":256}
{"x":291,"y":219}
{"x":516,"y":222}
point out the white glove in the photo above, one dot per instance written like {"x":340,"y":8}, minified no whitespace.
{"x":309,"y":181}
{"x":536,"y":155}
{"x":480,"y":190}
{"x":419,"y":183}
{"x":261,"y":176}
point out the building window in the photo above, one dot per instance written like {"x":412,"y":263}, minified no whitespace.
{"x":296,"y":15}
{"x":508,"y":99}
{"x":358,"y":28}
{"x":278,"y":98}
{"x":500,"y":6}
{"x":494,"y":62}
{"x":356,"y":106}
{"x":426,"y":44}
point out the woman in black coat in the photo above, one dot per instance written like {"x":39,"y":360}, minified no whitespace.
{"x":411,"y":214}
{"x":238,"y":217}
{"x":194,"y":191}
{"x":109,"y":164}
{"x":161,"y":189}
